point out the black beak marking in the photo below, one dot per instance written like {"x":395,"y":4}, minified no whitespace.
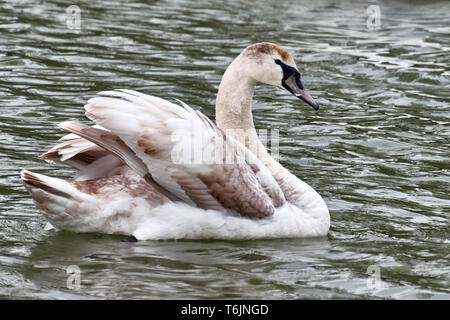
{"x":292,"y":83}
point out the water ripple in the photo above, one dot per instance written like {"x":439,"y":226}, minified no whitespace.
{"x":377,"y":150}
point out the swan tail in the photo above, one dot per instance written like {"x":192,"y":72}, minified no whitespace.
{"x":55,"y":187}
{"x":61,"y":203}
{"x":111,"y":205}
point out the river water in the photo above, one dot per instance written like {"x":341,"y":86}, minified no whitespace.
{"x":377,"y":150}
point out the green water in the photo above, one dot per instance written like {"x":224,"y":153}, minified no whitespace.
{"x":377,"y":151}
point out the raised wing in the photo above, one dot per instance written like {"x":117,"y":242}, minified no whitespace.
{"x":91,"y":160}
{"x":186,"y":154}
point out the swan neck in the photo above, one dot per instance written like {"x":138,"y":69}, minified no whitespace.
{"x":234,"y":117}
{"x":234,"y":108}
{"x":234,"y":99}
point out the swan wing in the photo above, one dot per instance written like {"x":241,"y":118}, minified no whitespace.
{"x":74,"y":151}
{"x":90,"y":159}
{"x":186,"y":154}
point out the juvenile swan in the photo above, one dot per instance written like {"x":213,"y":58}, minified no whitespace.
{"x":156,"y":170}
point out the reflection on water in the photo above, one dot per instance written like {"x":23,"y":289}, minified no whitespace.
{"x":377,"y":150}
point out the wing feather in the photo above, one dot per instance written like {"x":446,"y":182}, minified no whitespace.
{"x":112,"y":143}
{"x":184,"y":152}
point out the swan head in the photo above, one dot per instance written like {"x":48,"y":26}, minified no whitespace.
{"x":270,"y":64}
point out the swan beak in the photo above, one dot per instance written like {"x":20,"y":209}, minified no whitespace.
{"x":295,"y":86}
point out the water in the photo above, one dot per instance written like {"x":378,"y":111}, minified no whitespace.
{"x":377,"y":151}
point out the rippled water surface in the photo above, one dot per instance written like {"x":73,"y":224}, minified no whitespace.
{"x":377,"y":151}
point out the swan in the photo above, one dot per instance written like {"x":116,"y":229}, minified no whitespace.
{"x":151,"y":169}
